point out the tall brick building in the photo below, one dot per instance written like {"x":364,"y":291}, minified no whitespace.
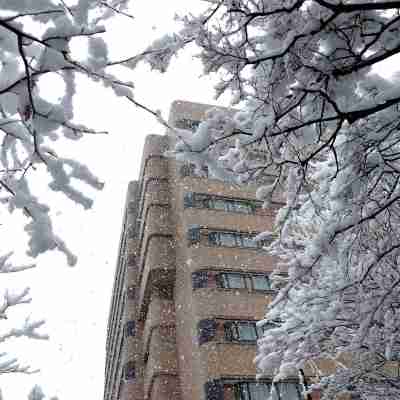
{"x":189,"y":286}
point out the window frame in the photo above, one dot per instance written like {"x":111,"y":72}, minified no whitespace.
{"x":244,"y":386}
{"x":216,"y":238}
{"x":130,"y":328}
{"x":230,"y":204}
{"x":247,"y":278}
{"x":129,"y":371}
{"x":187,"y":124}
{"x":232,"y":331}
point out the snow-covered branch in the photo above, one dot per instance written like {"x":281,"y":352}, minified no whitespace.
{"x":6,"y":266}
{"x":29,"y":329}
{"x":29,"y":122}
{"x":35,"y":45}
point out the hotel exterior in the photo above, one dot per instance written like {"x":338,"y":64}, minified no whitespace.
{"x":190,"y":284}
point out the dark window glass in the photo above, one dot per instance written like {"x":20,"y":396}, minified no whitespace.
{"x":219,"y":204}
{"x":188,"y":199}
{"x":186,"y":123}
{"x":186,"y":170}
{"x":266,"y":391}
{"x":247,"y":331}
{"x":227,"y":239}
{"x":244,"y":392}
{"x":213,"y":238}
{"x":207,"y":328}
{"x":233,"y":280}
{"x":130,"y":328}
{"x":253,"y":391}
{"x":129,"y":370}
{"x":259,"y":391}
{"x":214,"y":390}
{"x":261,"y":282}
{"x":288,"y":391}
{"x":244,"y":207}
{"x":199,"y":279}
{"x":248,"y":241}
{"x":242,"y":331}
{"x":232,"y":239}
{"x":130,"y":292}
{"x":204,"y":200}
{"x":230,"y":205}
{"x":193,"y":234}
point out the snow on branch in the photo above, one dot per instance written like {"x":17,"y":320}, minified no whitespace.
{"x":29,"y":329}
{"x":6,"y":267}
{"x":10,"y":300}
{"x":29,"y":122}
{"x":35,"y":44}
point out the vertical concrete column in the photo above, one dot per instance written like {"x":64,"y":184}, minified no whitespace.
{"x":151,"y":170}
{"x":131,"y":361}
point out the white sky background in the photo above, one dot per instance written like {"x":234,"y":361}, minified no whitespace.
{"x":75,"y":301}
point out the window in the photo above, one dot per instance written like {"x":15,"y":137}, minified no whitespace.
{"x":287,"y":390}
{"x":242,"y":331}
{"x":130,"y":328}
{"x":248,"y":390}
{"x":248,"y":241}
{"x":203,"y":200}
{"x":186,"y":123}
{"x":207,"y":329}
{"x":232,"y":281}
{"x":198,"y":234}
{"x":129,"y":370}
{"x":253,"y":391}
{"x":200,"y":279}
{"x":237,"y":280}
{"x":194,"y":234}
{"x":130,"y":292}
{"x":233,"y":239}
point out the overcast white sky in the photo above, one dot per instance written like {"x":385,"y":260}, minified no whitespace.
{"x":75,"y":301}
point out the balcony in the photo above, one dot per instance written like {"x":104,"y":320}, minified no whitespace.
{"x":161,"y":363}
{"x":161,"y":313}
{"x":155,"y":192}
{"x":158,"y":270}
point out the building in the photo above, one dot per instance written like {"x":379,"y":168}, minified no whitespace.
{"x":189,"y":286}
